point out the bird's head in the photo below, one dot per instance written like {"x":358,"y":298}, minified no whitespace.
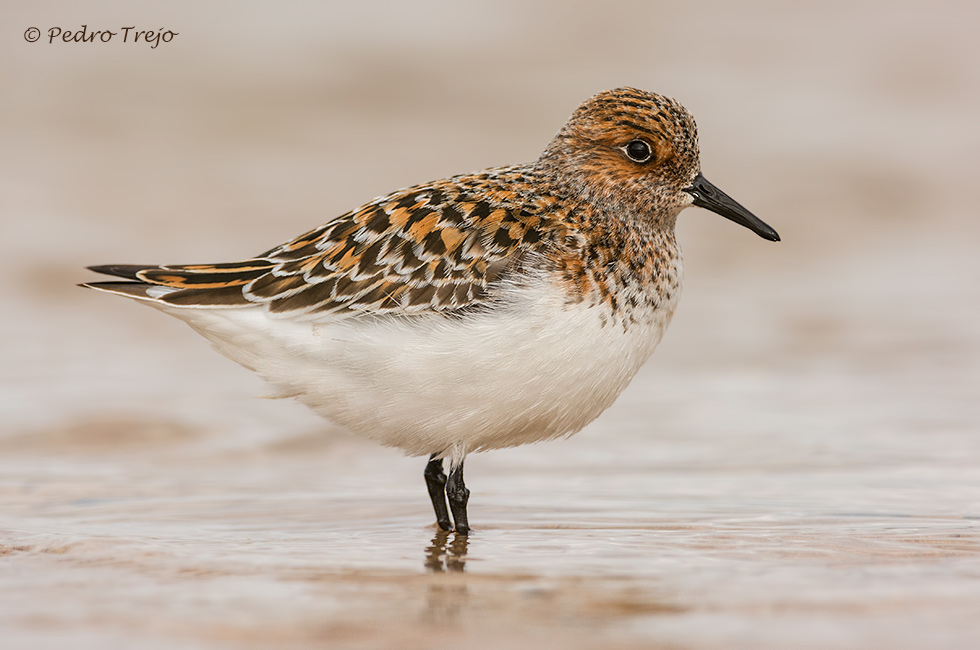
{"x":636,"y":153}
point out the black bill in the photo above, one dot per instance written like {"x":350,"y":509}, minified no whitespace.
{"x":709,"y":197}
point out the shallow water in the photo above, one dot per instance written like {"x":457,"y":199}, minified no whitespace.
{"x":798,"y":465}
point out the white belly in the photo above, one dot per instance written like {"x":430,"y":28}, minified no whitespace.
{"x":533,"y":369}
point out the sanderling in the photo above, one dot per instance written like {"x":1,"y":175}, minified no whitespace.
{"x":486,"y":310}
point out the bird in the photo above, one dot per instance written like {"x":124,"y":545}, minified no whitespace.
{"x":486,"y":310}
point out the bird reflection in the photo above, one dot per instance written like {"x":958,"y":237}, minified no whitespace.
{"x":444,"y":555}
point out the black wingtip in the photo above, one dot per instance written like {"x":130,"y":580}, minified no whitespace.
{"x":127,"y":271}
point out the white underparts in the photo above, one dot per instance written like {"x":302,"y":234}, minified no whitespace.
{"x":531,"y":368}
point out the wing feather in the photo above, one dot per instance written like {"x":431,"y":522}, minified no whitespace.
{"x":437,"y":247}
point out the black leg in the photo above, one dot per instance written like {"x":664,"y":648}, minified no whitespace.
{"x":458,"y":496}
{"x":435,"y":480}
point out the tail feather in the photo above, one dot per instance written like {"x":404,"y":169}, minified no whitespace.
{"x":130,"y":289}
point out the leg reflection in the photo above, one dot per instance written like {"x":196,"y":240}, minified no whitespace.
{"x":446,"y":552}
{"x":445,"y":556}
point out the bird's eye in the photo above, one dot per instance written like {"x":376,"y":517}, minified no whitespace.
{"x":639,"y":151}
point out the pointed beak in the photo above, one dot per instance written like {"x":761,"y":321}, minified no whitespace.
{"x":709,"y":197}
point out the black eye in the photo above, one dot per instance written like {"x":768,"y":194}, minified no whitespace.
{"x":639,"y":151}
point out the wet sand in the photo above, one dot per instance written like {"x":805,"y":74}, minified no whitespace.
{"x":798,"y":465}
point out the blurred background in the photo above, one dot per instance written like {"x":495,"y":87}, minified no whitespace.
{"x":797,"y":465}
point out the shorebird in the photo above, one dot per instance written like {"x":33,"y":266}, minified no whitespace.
{"x":487,"y":310}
